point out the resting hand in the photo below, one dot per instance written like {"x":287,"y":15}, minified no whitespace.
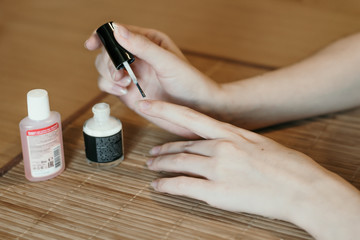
{"x":242,"y":171}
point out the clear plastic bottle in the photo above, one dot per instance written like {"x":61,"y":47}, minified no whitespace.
{"x":41,"y":139}
{"x":103,"y":138}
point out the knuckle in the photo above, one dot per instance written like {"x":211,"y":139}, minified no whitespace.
{"x":102,"y":83}
{"x":144,"y":43}
{"x":155,"y":34}
{"x":189,"y":113}
{"x":156,"y":164}
{"x":180,"y":183}
{"x":225,"y":146}
{"x":172,"y":185}
{"x":161,"y":185}
{"x":179,"y":159}
{"x":163,"y":37}
{"x":188,"y":146}
{"x":234,"y":134}
{"x":98,"y":60}
{"x":165,"y":148}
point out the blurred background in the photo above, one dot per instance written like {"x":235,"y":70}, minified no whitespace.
{"x":41,"y":44}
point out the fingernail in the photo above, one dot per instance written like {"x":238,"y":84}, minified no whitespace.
{"x":154,"y":184}
{"x":144,"y":105}
{"x":85,"y":44}
{"x":155,"y":150}
{"x":125,"y":82}
{"x":122,"y":31}
{"x":123,"y":91}
{"x":149,"y":162}
{"x":119,"y":90}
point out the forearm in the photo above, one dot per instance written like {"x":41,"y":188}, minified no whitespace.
{"x":327,"y":82}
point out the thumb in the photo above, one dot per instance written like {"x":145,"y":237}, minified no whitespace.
{"x":143,"y":48}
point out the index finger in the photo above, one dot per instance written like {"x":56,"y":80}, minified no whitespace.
{"x":185,"y":117}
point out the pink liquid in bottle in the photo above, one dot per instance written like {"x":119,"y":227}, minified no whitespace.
{"x":41,"y":139}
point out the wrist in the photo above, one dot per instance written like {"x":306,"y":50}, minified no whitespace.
{"x":237,"y":103}
{"x":208,"y":97}
{"x":329,"y":208}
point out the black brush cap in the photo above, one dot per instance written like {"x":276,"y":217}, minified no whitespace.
{"x":117,"y":53}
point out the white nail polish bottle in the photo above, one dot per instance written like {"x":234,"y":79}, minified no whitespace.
{"x":103,"y":138}
{"x":41,"y":138}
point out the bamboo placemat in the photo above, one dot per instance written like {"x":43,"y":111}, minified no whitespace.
{"x":84,"y":203}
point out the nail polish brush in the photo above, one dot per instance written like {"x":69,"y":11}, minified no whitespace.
{"x":133,"y":77}
{"x":119,"y":55}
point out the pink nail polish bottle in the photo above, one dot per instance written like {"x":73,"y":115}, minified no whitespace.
{"x":41,"y":139}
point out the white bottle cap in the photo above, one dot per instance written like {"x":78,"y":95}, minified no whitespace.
{"x":101,"y":112}
{"x":38,"y":104}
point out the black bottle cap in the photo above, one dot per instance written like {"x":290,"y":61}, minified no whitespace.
{"x":117,"y":53}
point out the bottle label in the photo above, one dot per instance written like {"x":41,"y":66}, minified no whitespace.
{"x":44,"y":150}
{"x":103,"y":149}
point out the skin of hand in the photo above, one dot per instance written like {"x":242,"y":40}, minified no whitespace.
{"x":162,"y":71}
{"x":326,"y":82}
{"x":238,"y":170}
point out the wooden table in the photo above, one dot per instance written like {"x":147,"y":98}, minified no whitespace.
{"x":41,"y":46}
